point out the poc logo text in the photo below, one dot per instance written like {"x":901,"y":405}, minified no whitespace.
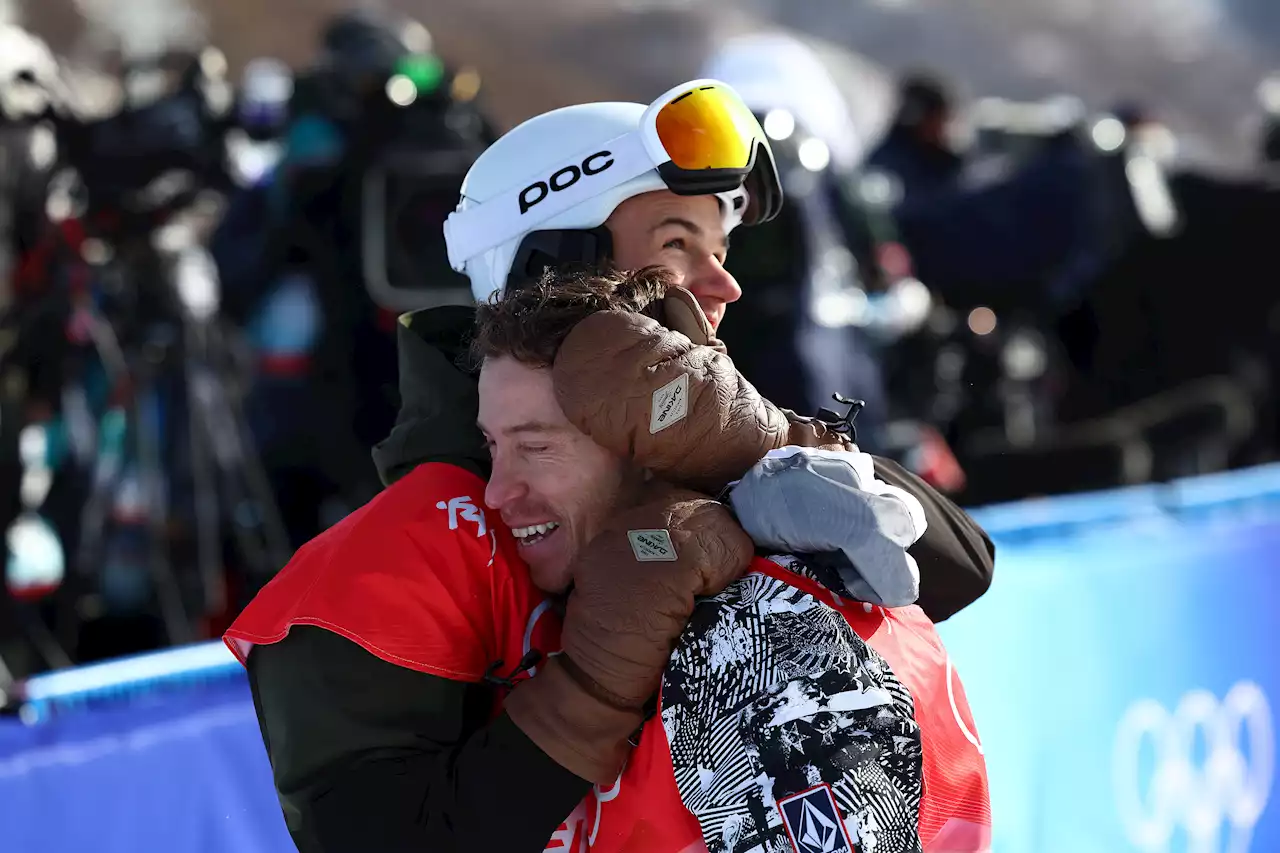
{"x":564,"y":178}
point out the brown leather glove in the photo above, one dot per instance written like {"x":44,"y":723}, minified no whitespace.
{"x":669,"y":397}
{"x":634,"y":590}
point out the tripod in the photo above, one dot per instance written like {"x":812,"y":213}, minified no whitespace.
{"x":169,"y":461}
{"x":184,"y":351}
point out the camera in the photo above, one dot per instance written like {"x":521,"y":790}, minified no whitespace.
{"x":407,"y":198}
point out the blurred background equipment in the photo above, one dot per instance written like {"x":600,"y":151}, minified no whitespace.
{"x":133,"y":453}
{"x":343,"y":234}
{"x":1016,"y":280}
{"x":1036,"y":237}
{"x":1013,"y":278}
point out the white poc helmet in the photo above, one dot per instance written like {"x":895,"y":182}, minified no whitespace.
{"x":549,"y":154}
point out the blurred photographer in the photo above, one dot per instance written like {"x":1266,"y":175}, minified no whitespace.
{"x":917,"y":150}
{"x":313,"y":254}
{"x":825,"y":285}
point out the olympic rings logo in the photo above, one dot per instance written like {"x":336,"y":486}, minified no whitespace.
{"x":1225,"y":788}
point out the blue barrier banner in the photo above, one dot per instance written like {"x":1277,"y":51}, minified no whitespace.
{"x":1122,"y":670}
{"x":182,"y":771}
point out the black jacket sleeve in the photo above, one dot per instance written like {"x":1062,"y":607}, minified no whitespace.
{"x":955,"y":555}
{"x":438,"y":396}
{"x":367,"y":756}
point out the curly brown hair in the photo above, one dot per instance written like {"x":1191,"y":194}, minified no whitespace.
{"x":531,"y":323}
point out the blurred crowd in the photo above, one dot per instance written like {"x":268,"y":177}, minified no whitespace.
{"x":201,"y":280}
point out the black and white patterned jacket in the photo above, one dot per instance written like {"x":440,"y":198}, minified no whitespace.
{"x":787,"y":731}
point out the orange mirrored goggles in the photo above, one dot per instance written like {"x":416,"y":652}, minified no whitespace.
{"x":713,"y":143}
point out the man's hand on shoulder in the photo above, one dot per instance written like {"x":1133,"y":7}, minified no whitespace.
{"x":686,"y":412}
{"x":634,"y":589}
{"x":636,"y":583}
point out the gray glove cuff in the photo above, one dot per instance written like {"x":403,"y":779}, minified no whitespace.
{"x":800,"y":500}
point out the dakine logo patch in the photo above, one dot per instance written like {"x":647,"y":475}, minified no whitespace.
{"x":652,"y":546}
{"x":670,"y":404}
{"x":813,"y":822}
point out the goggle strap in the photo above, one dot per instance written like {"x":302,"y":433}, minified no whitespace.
{"x":521,"y":209}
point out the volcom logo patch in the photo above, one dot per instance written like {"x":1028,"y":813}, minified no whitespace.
{"x":670,"y":404}
{"x":813,"y":822}
{"x":652,"y":546}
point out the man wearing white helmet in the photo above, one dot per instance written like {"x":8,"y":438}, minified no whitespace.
{"x":380,"y":657}
{"x":603,"y":192}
